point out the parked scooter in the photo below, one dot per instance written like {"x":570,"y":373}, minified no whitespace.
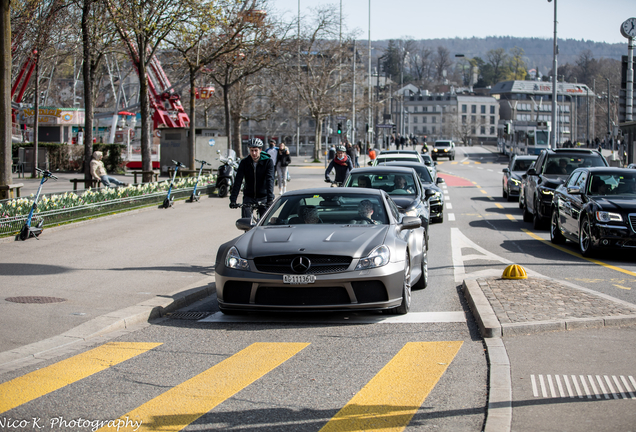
{"x":196,"y":195}
{"x":29,"y":231}
{"x":169,"y":200}
{"x":226,"y":173}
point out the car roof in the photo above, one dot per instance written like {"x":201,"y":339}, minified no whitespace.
{"x":398,"y":152}
{"x":608,"y":170}
{"x":385,"y":168}
{"x":339,"y":190}
{"x":526,"y":157}
{"x":399,"y":155}
{"x":572,"y":151}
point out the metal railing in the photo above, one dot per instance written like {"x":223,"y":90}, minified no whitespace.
{"x":13,"y":225}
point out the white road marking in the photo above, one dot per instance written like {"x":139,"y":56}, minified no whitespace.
{"x":619,"y":387}
{"x":451,"y":216}
{"x":449,"y":206}
{"x":342,"y":318}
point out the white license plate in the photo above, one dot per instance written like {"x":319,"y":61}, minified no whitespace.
{"x":299,"y":279}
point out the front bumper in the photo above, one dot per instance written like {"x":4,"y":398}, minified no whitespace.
{"x":613,"y":236}
{"x":375,"y":289}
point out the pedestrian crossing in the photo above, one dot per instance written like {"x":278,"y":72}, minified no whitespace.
{"x":584,"y":386}
{"x":387,"y":402}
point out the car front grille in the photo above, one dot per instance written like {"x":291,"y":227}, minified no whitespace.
{"x":632,"y":221}
{"x":320,"y":264}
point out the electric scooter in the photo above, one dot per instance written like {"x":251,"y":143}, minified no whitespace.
{"x":195,"y":196}
{"x":27,"y":230}
{"x":226,"y":173}
{"x":169,"y":200}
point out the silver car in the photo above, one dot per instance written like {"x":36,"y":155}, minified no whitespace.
{"x":324,"y":249}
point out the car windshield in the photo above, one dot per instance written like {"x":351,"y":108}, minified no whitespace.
{"x":613,"y":184}
{"x":390,"y":158}
{"x":390,"y":182}
{"x":565,"y":164}
{"x":442,"y":144}
{"x":327,"y":208}
{"x":521,"y":165}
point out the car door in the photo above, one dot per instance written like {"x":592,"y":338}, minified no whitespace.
{"x":576,"y":204}
{"x":532,"y":182}
{"x":563,"y":202}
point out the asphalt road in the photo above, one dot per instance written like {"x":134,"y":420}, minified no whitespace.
{"x":295,"y":372}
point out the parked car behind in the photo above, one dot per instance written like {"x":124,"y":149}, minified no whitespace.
{"x":511,"y":182}
{"x":550,"y":170}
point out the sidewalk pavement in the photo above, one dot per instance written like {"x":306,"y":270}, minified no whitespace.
{"x":506,"y":310}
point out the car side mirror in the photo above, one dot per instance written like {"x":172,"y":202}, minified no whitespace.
{"x":410,"y":222}
{"x":429,"y":193}
{"x":531,"y":172}
{"x":370,"y":163}
{"x":439,"y":180}
{"x":574,"y":190}
{"x":505,"y":171}
{"x":244,"y":224}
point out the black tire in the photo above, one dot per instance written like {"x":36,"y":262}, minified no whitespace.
{"x":439,"y":219}
{"x":423,"y":281}
{"x":504,"y":193}
{"x":24,"y":233}
{"x":223,"y":190}
{"x":585,"y":238}
{"x":555,"y":232}
{"x":404,"y":308}
{"x":537,"y":221}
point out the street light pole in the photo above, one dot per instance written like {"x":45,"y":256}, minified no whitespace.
{"x":369,"y":125}
{"x":555,"y":49}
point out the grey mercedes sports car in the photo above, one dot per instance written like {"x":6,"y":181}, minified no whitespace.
{"x":324,"y":249}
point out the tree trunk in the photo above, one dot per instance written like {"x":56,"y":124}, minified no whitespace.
{"x":236,"y":131}
{"x":193,"y":109}
{"x":88,"y":94}
{"x":318,"y":137}
{"x":146,"y":127}
{"x":5,"y":85}
{"x":36,"y":117}
{"x":226,"y":108}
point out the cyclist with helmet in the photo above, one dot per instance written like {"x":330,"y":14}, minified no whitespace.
{"x":258,"y":171}
{"x":341,"y":163}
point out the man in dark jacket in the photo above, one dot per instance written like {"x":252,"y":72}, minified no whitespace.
{"x":341,"y":164}
{"x":258,"y":171}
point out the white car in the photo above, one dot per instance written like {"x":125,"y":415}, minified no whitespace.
{"x":397,"y":157}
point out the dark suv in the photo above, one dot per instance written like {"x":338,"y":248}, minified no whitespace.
{"x":550,"y":170}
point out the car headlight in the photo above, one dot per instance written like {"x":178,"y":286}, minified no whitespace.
{"x":377,"y":258}
{"x":514,"y":181}
{"x":546,"y":192}
{"x":412,"y":212}
{"x":234,"y":260}
{"x":603,"y":216}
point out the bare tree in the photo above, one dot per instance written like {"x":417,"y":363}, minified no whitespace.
{"x":442,"y":62}
{"x":420,"y":62}
{"x":325,"y":66}
{"x":497,"y":59}
{"x":143,"y":26}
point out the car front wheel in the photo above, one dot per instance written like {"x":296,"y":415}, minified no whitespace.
{"x":555,"y":232}
{"x":406,"y":290}
{"x":423,"y":281}
{"x":527,"y":216}
{"x":585,"y":238}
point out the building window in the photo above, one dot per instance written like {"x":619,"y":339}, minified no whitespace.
{"x":473,"y":119}
{"x":424,"y":109}
{"x":473,"y":109}
{"x":492,"y":119}
{"x":414,"y":109}
{"x":472,"y":130}
{"x":464,"y":108}
{"x":483,"y":130}
{"x":406,"y":129}
{"x":433,"y":129}
{"x":424,"y":129}
{"x":423,"y":119}
{"x":483,"y":109}
{"x":434,"y":120}
{"x":492,"y":109}
{"x":463,"y":119}
{"x":415,"y":129}
{"x":414,"y":119}
{"x":492,"y":130}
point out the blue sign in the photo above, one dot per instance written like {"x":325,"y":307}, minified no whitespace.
{"x":211,"y":142}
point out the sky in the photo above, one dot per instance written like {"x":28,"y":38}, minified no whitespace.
{"x":596,"y":20}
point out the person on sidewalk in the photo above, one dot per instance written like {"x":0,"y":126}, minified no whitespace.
{"x":98,"y":171}
{"x":258,"y":171}
{"x":272,"y":151}
{"x":283,"y":159}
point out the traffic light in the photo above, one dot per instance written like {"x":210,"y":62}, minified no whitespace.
{"x":507,"y":128}
{"x":339,"y":128}
{"x":394,"y":128}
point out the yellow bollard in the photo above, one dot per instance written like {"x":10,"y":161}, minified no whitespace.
{"x":514,"y":271}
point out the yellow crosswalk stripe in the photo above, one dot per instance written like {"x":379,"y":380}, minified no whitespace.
{"x":389,"y":401}
{"x":185,"y":403}
{"x":38,"y":383}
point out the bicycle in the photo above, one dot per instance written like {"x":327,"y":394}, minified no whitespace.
{"x":334,"y":183}
{"x":254,"y":210}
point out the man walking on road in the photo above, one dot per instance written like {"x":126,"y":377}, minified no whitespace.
{"x":258,"y":171}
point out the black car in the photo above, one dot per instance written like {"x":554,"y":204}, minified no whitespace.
{"x":596,"y":207}
{"x":436,"y":201}
{"x":511,"y":182}
{"x":550,"y":170}
{"x":403,"y":186}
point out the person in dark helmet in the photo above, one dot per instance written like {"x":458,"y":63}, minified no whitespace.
{"x":257,"y":170}
{"x":342,"y":164}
